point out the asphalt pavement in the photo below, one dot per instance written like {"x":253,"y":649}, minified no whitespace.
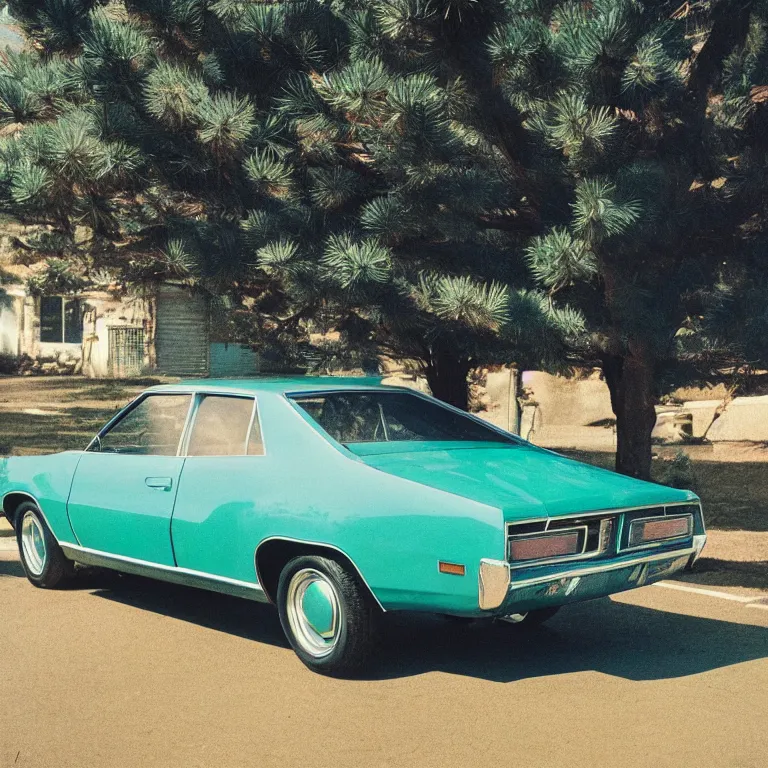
{"x":127,"y":672}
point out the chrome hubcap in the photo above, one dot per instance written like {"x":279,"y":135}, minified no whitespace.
{"x":33,"y":543}
{"x":313,"y":610}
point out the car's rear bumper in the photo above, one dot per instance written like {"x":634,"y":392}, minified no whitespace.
{"x":502,"y":592}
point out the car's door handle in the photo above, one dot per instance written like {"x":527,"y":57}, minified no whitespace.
{"x":161,"y":483}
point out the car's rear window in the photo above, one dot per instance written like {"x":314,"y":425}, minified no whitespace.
{"x":379,"y":417}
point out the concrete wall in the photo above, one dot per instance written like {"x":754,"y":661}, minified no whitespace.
{"x":568,"y":402}
{"x":744,"y":418}
{"x":10,"y":311}
{"x":577,"y":412}
{"x":232,"y":360}
{"x":20,"y":332}
{"x":103,"y":311}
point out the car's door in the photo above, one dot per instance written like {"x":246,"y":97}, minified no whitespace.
{"x":222,"y":487}
{"x":125,"y":485}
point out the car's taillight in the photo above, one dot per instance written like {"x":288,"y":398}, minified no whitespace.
{"x":546,"y":545}
{"x":648,"y":531}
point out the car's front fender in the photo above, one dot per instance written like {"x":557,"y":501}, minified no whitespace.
{"x":45,"y":480}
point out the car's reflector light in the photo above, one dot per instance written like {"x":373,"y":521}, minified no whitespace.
{"x":545,"y":546}
{"x":659,"y":529}
{"x":455,"y":569}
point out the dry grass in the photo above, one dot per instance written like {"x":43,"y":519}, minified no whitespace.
{"x":45,"y":415}
{"x":734,"y":494}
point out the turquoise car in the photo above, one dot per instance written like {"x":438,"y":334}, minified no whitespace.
{"x":337,"y":500}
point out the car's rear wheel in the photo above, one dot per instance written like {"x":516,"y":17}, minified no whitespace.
{"x":41,"y":556}
{"x":327,"y":615}
{"x":530,"y":619}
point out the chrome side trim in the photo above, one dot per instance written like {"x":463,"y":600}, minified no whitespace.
{"x":612,"y":566}
{"x":186,"y":430}
{"x":315,"y":544}
{"x":183,"y":576}
{"x":254,"y":411}
{"x":189,"y":425}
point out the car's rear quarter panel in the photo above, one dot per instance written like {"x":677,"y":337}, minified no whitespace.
{"x":394,"y":530}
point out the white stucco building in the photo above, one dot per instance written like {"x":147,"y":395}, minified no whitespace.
{"x":99,"y":335}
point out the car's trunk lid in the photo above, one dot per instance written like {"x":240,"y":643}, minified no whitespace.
{"x":520,"y":479}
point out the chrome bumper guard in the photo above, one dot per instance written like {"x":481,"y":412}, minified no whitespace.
{"x":495,"y":576}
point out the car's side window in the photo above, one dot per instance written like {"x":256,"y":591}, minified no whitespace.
{"x":153,"y":428}
{"x":225,"y":426}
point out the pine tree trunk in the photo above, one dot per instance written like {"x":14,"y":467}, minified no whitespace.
{"x":447,"y":378}
{"x":630,"y":380}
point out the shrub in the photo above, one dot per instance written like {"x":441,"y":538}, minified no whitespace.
{"x":676,"y":471}
{"x":9,"y":364}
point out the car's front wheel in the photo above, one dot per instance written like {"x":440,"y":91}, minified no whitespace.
{"x":327,"y":615}
{"x":41,"y":556}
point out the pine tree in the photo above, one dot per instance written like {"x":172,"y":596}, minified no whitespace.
{"x":316,"y":166}
{"x":402,"y":171}
{"x":655,"y":116}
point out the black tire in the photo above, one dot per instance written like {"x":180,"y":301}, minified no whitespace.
{"x":53,"y":569}
{"x":532,"y":619}
{"x":354,"y":630}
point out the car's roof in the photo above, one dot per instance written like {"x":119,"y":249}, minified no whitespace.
{"x":276,"y":384}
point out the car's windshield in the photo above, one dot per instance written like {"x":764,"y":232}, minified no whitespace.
{"x":378,"y":417}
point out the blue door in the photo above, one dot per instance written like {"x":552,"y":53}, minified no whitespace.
{"x":223,"y":488}
{"x":125,"y":485}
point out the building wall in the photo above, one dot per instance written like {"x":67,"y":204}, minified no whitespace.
{"x":10,"y":311}
{"x":49,"y":354}
{"x":171,"y":328}
{"x":20,"y":332}
{"x":103,"y":312}
{"x":232,"y":360}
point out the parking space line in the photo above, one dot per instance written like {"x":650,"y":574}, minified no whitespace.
{"x":707,"y":592}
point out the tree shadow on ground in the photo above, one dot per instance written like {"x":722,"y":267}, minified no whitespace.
{"x":11,"y":568}
{"x":614,"y":638}
{"x":710,"y":571}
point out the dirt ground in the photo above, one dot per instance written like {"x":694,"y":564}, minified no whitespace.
{"x":119,"y":672}
{"x":43,"y":415}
